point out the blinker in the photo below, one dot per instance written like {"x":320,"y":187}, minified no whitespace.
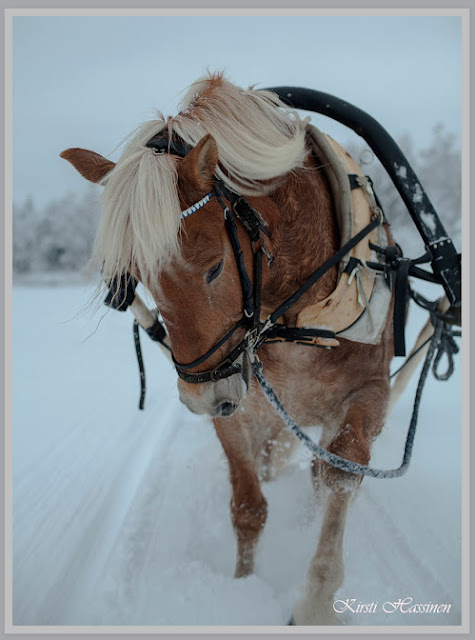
{"x":167,"y":145}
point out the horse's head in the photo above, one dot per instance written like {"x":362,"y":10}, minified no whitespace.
{"x":199,"y":292}
{"x":189,"y":264}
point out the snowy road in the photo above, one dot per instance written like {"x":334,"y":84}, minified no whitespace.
{"x":121,"y":517}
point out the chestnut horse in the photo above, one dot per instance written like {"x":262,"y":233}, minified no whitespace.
{"x":258,"y":149}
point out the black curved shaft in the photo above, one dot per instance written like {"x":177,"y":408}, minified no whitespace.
{"x":444,"y":258}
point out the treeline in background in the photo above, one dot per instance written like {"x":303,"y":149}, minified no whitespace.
{"x":58,"y":238}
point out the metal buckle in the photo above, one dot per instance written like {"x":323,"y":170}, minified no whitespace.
{"x":251,"y":338}
{"x":266,"y":326}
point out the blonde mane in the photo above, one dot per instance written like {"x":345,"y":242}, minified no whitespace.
{"x":257,"y":138}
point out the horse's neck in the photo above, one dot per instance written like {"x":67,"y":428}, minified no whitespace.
{"x":304,"y":234}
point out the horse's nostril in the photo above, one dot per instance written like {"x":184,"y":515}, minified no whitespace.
{"x":226,"y":409}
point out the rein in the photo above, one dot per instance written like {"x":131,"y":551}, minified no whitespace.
{"x":440,"y":343}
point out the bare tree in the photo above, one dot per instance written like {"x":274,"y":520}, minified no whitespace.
{"x":57,"y":238}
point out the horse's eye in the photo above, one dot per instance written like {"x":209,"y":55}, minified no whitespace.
{"x":214,"y":272}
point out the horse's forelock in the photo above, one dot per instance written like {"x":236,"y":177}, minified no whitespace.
{"x":257,"y":141}
{"x":258,"y":138}
{"x":141,"y":216}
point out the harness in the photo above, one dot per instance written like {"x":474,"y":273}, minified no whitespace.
{"x":257,"y":331}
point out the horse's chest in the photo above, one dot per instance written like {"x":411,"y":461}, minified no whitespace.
{"x":311,"y":389}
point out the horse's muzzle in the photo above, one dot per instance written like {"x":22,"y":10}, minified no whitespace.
{"x":219,"y":399}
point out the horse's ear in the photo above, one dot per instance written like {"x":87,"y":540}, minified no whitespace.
{"x":199,"y":165}
{"x":90,"y":165}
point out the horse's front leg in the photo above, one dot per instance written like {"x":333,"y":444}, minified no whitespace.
{"x":352,"y":440}
{"x":248,"y":505}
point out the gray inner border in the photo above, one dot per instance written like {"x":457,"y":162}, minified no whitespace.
{"x":398,"y":5}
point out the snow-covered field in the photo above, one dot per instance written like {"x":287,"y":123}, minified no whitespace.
{"x":121,"y":517}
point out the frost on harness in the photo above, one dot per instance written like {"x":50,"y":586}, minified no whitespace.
{"x":282,"y":294}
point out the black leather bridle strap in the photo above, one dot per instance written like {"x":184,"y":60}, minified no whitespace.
{"x":246,"y":284}
{"x":226,"y":367}
{"x":210,"y":352}
{"x":257,"y":281}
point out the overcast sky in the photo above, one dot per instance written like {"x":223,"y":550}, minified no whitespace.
{"x":88,"y":81}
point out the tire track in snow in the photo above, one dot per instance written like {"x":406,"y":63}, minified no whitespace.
{"x":153,"y":437}
{"x":145,"y":538}
{"x":67,"y":513}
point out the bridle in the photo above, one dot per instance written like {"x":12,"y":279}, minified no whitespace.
{"x":257,"y":331}
{"x":251,"y":293}
{"x":254,"y":224}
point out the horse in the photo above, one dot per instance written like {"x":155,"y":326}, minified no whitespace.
{"x":166,"y":220}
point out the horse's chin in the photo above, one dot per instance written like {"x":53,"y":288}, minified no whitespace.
{"x":219,"y":399}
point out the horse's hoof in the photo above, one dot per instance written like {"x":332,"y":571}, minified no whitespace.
{"x":291,"y":621}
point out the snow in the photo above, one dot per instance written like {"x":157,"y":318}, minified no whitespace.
{"x":121,"y":517}
{"x":401,"y":170}
{"x":418,"y":194}
{"x":429,"y":223}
